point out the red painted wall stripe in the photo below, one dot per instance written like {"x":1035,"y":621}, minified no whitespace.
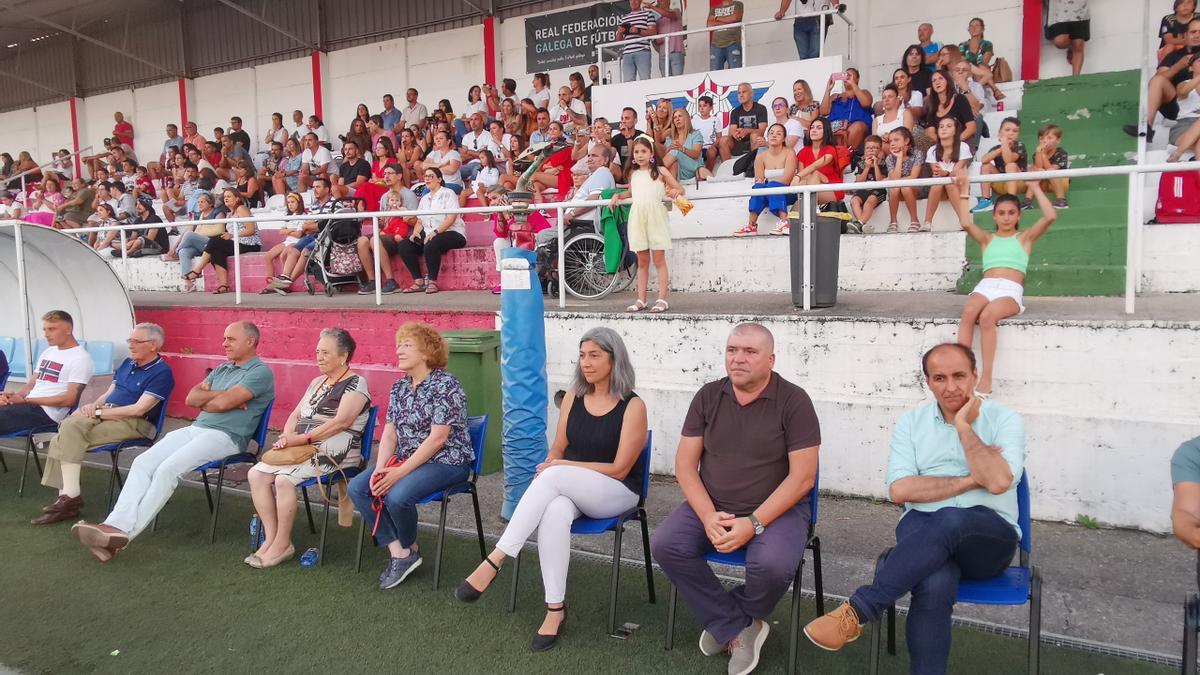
{"x":183,"y":105}
{"x":316,"y":82}
{"x":1031,"y":39}
{"x":75,"y":138}
{"x":489,"y":50}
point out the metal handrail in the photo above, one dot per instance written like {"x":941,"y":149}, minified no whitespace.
{"x":837,"y":11}
{"x":39,"y":168}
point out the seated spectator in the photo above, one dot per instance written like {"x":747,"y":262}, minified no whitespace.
{"x":219,"y":249}
{"x":1172,"y":30}
{"x":593,"y":469}
{"x":579,"y":90}
{"x":849,"y":111}
{"x":958,"y":485}
{"x":276,"y":133}
{"x":795,"y":130}
{"x":425,"y":448}
{"x":435,"y":235}
{"x":414,"y":112}
{"x":45,"y":202}
{"x":447,"y":161}
{"x":1068,"y":27}
{"x":966,"y":85}
{"x":627,"y":131}
{"x":928,"y":45}
{"x":527,"y":113}
{"x":210,"y":156}
{"x":949,"y":156}
{"x":747,"y":121}
{"x":361,"y":137}
{"x":746,"y":462}
{"x":100,"y":240}
{"x":150,"y":240}
{"x":192,"y":135}
{"x":191,"y":245}
{"x":725,"y":45}
{"x":4,"y":367}
{"x":910,"y":98}
{"x":803,"y":108}
{"x":569,"y":112}
{"x":329,"y":417}
{"x":377,"y":130}
{"x":864,"y":202}
{"x":353,"y":172}
{"x":659,"y":124}
{"x":684,"y":149}
{"x":540,"y":93}
{"x":817,"y":162}
{"x":390,"y":115}
{"x":1050,"y":156}
{"x":1009,"y":156}
{"x":317,"y":128}
{"x":371,"y":191}
{"x":409,"y":155}
{"x":474,"y":142}
{"x":709,"y":126}
{"x":287,"y":178}
{"x":295,"y":258}
{"x":127,"y":410}
{"x":292,"y":231}
{"x":393,"y":232}
{"x":555,"y":171}
{"x":915,"y":65}
{"x":979,"y":52}
{"x":25,"y":162}
{"x":944,"y":102}
{"x":487,"y":177}
{"x":238,"y":135}
{"x":124,"y":201}
{"x":1185,"y":133}
{"x":500,"y":138}
{"x":232,"y":400}
{"x":143,"y":184}
{"x":272,"y":163}
{"x":775,"y":166}
{"x":315,"y":162}
{"x":542,"y":133}
{"x":9,"y":208}
{"x":6,"y":165}
{"x":246,"y":184}
{"x":232,"y":154}
{"x":60,"y":374}
{"x":893,"y":115}
{"x":475,"y":103}
{"x":179,"y":200}
{"x":509,"y":117}
{"x":510,"y":175}
{"x":1185,"y":482}
{"x":903,"y":162}
{"x":599,"y":177}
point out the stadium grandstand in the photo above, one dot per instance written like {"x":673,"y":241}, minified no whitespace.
{"x":492,"y":283}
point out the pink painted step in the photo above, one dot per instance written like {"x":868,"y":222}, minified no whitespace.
{"x":291,"y":381}
{"x":292,"y":334}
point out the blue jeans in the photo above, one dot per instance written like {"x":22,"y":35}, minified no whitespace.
{"x":775,"y":203}
{"x":933,"y":551}
{"x":398,"y":520}
{"x":190,"y":247}
{"x":807,"y":33}
{"x":674,"y":63}
{"x":720,"y":58}
{"x":635,"y":66}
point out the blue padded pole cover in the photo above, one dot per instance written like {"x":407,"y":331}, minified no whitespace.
{"x":523,"y":381}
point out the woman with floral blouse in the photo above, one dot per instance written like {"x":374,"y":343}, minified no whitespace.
{"x":424,"y":448}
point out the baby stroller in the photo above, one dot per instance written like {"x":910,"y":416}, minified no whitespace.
{"x":334,"y":261}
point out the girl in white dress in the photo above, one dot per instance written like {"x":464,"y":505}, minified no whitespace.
{"x":649,"y":233}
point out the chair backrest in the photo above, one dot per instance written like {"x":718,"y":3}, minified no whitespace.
{"x":162,"y":415}
{"x":645,"y":460}
{"x":39,"y":346}
{"x":260,"y":435}
{"x":1023,"y":518}
{"x":102,"y":356}
{"x":477,"y":428}
{"x":16,"y":359}
{"x":368,"y":436}
{"x":8,"y":345}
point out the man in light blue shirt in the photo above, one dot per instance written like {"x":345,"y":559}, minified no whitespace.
{"x":954,"y":465}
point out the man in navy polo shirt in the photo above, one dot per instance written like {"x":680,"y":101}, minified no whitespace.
{"x":127,"y":410}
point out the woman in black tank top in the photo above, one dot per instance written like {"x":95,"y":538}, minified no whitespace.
{"x":594,"y":468}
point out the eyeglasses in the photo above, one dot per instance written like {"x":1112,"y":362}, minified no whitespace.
{"x":132,"y":342}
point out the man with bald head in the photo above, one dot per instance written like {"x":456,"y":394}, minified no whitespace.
{"x":231,"y":399}
{"x":746,"y":462}
{"x":954,"y":466}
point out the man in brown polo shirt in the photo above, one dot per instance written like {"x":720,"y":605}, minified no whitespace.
{"x":746,"y":462}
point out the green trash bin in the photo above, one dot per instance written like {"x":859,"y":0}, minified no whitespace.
{"x":475,"y":361}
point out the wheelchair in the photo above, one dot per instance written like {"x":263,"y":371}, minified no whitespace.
{"x":585,"y":275}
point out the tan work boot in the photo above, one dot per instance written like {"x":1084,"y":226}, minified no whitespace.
{"x":832,"y":631}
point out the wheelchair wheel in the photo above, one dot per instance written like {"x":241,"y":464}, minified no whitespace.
{"x":584,"y":273}
{"x":627,"y":274}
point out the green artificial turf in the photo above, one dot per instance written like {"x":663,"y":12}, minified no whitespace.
{"x":171,"y":603}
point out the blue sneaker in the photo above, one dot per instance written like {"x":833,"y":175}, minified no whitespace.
{"x":398,"y":569}
{"x":982,"y":205}
{"x":311,"y":557}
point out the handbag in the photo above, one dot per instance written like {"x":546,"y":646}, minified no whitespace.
{"x":210,"y":229}
{"x":295,"y":454}
{"x":1001,"y":71}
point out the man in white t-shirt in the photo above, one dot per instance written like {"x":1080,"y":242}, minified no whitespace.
{"x":315,"y":161}
{"x":59,"y":377}
{"x":568,"y":112}
{"x":299,"y":126}
{"x":709,"y":126}
{"x":475,"y":142}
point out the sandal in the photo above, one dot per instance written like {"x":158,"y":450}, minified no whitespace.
{"x":192,"y":276}
{"x":221,"y":290}
{"x":468,"y":593}
{"x":914,"y":227}
{"x":660,"y":306}
{"x":417,"y":287}
{"x":431,"y":288}
{"x":637,"y":306}
{"x":266,"y":291}
{"x":925,"y":227}
{"x":893,"y":228}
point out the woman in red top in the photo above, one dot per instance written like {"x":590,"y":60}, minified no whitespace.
{"x":818,"y":162}
{"x":555,"y":172}
{"x":372,"y":191}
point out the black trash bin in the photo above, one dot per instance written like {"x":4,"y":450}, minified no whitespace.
{"x":823,"y":258}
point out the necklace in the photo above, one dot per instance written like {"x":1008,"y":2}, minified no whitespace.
{"x":323,"y":390}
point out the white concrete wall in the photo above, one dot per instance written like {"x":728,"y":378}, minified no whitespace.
{"x":363,"y":75}
{"x":18,"y":132}
{"x":1101,"y":438}
{"x":1169,"y":259}
{"x":53,"y":129}
{"x":281,"y":87}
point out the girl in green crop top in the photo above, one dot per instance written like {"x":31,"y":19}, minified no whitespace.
{"x":1005,"y":259}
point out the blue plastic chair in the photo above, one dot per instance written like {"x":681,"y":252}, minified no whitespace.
{"x":1015,"y":586}
{"x":114,"y":450}
{"x":7,"y":346}
{"x":31,"y":447}
{"x":16,"y":359}
{"x":214,"y":506}
{"x":331,"y":479}
{"x":102,"y":356}
{"x":477,"y":428}
{"x":598,"y":526}
{"x":738,"y":559}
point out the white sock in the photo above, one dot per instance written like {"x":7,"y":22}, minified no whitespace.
{"x":70,"y":479}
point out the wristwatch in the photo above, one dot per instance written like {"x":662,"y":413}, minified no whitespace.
{"x":758,"y":527}
{"x":96,"y":414}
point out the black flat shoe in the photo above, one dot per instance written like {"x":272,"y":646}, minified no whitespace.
{"x":544,"y":643}
{"x":468,"y":593}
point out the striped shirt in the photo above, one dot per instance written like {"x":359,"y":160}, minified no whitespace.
{"x":637,"y":22}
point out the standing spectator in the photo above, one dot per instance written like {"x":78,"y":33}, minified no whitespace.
{"x":775,"y":166}
{"x":238,"y":134}
{"x":390,"y":115}
{"x":747,"y":124}
{"x":649,"y":233}
{"x":725,"y":46}
{"x":806,"y":30}
{"x":848,"y":111}
{"x":59,"y":376}
{"x":670,"y":20}
{"x":1068,"y":27}
{"x":593,"y":80}
{"x":232,"y":400}
{"x":415,"y":112}
{"x":540,"y":94}
{"x":1172,"y":71}
{"x":122,"y":130}
{"x":927,"y":45}
{"x":709,"y":126}
{"x":437,"y":234}
{"x":746,"y":462}
{"x":635,"y":55}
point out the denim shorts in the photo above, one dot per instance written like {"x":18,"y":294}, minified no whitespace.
{"x":306,"y":243}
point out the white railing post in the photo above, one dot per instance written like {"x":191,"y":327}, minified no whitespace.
{"x":806,"y":257}
{"x":562,"y":257}
{"x":1134,"y":226}
{"x":375,"y":248}
{"x":23,"y":290}
{"x":821,"y":36}
{"x":124,"y":261}
{"x":237,"y":264}
{"x":745,"y":52}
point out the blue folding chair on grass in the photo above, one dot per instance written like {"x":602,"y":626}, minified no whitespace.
{"x":31,"y":447}
{"x":738,"y":559}
{"x":598,"y":526}
{"x":477,"y":428}
{"x":114,"y":451}
{"x":1017,"y":585}
{"x":330,"y":479}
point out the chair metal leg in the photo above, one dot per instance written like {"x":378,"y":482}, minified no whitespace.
{"x":312,"y":527}
{"x":441,"y":540}
{"x":362,"y":534}
{"x":818,"y":582}
{"x":1191,"y":624}
{"x":36,"y":461}
{"x":25,"y":468}
{"x":873,"y":651}
{"x":112,"y":480}
{"x":516,"y":577}
{"x":1035,"y":620}
{"x":478,"y":524}
{"x":646,"y":553}
{"x":672,"y":599}
{"x":324,"y":530}
{"x":616,"y":579}
{"x":794,"y":639}
{"x":212,"y":529}
{"x":3,"y":463}
{"x":891,"y":634}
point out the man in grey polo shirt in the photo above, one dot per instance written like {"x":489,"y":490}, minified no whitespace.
{"x":232,"y":400}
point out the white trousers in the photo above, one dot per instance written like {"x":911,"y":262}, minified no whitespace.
{"x":555,"y":498}
{"x":156,"y":473}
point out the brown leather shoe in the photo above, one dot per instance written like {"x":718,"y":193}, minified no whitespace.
{"x":51,"y":517}
{"x":99,"y":536}
{"x":832,"y":631}
{"x":58,"y":504}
